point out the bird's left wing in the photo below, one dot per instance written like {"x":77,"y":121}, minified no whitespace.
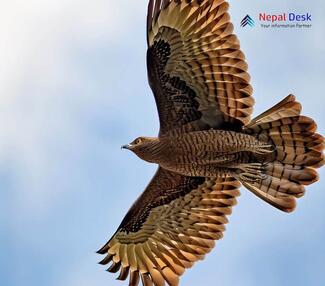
{"x":173,"y":224}
{"x":196,"y":69}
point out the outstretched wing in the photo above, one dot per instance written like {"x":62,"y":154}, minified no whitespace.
{"x":196,"y":69}
{"x":172,"y":224}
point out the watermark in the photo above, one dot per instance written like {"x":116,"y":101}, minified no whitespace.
{"x":280,"y":20}
{"x":247,"y":20}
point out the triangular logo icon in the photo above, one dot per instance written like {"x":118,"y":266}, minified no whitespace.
{"x":248,"y":20}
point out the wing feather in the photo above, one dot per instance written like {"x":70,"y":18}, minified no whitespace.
{"x":196,"y":69}
{"x":173,"y":224}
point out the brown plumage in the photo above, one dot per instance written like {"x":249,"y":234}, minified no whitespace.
{"x":207,"y":145}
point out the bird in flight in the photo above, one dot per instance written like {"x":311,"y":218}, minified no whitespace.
{"x":207,"y":147}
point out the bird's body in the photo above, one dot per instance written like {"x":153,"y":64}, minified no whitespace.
{"x":204,"y":153}
{"x":207,"y":147}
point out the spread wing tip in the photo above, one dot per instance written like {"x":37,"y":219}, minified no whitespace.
{"x":176,"y":233}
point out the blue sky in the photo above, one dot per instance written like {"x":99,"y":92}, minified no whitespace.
{"x":73,"y":89}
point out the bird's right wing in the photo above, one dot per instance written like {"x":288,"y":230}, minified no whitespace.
{"x":173,"y":224}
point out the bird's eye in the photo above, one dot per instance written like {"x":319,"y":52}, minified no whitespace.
{"x":138,"y":141}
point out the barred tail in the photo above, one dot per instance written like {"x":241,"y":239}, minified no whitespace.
{"x":298,"y":152}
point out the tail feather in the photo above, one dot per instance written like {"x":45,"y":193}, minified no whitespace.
{"x":288,"y":107}
{"x":284,"y":203}
{"x":295,"y":174}
{"x":298,"y":151}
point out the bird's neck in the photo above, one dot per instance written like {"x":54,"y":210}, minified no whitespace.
{"x":153,"y":151}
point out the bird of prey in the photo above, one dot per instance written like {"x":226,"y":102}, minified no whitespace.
{"x":207,"y":147}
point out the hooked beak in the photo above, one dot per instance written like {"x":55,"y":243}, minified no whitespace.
{"x":125,"y":146}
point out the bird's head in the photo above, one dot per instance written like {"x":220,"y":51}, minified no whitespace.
{"x":142,"y":147}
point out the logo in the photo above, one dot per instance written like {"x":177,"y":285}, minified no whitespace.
{"x":247,"y":21}
{"x":283,"y":17}
{"x":278,"y":20}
